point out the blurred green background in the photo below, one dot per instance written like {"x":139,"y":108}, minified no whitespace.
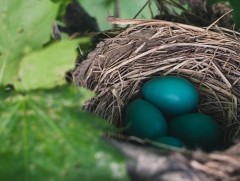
{"x":101,"y":9}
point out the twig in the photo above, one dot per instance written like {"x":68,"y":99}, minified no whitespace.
{"x":219,"y":19}
{"x":116,"y":11}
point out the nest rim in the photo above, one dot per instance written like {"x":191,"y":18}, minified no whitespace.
{"x":217,"y":40}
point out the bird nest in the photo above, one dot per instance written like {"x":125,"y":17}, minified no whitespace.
{"x":209,"y":58}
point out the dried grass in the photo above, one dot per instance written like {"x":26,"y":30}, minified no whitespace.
{"x":118,"y":67}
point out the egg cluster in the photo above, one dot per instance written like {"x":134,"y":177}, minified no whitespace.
{"x":167,"y":114}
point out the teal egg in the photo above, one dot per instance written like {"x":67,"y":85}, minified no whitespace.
{"x":144,"y":120}
{"x":171,"y":141}
{"x":196,"y":130}
{"x":171,"y":94}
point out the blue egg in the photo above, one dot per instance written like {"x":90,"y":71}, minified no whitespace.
{"x":171,"y":94}
{"x":144,"y":120}
{"x":197,"y":130}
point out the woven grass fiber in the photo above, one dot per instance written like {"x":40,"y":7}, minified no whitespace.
{"x":210,"y":59}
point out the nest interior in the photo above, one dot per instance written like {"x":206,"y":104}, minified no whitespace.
{"x":210,"y":59}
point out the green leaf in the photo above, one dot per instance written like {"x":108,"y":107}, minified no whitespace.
{"x":62,"y":6}
{"x":45,"y":136}
{"x":101,"y":9}
{"x":236,"y":11}
{"x":25,"y":26}
{"x":46,"y":68}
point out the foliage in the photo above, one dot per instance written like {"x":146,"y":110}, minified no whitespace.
{"x":101,"y":9}
{"x":54,"y":60}
{"x":128,"y":9}
{"x":62,"y":6}
{"x":21,"y":32}
{"x":44,"y":133}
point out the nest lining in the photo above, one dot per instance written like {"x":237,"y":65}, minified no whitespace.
{"x":119,"y":66}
